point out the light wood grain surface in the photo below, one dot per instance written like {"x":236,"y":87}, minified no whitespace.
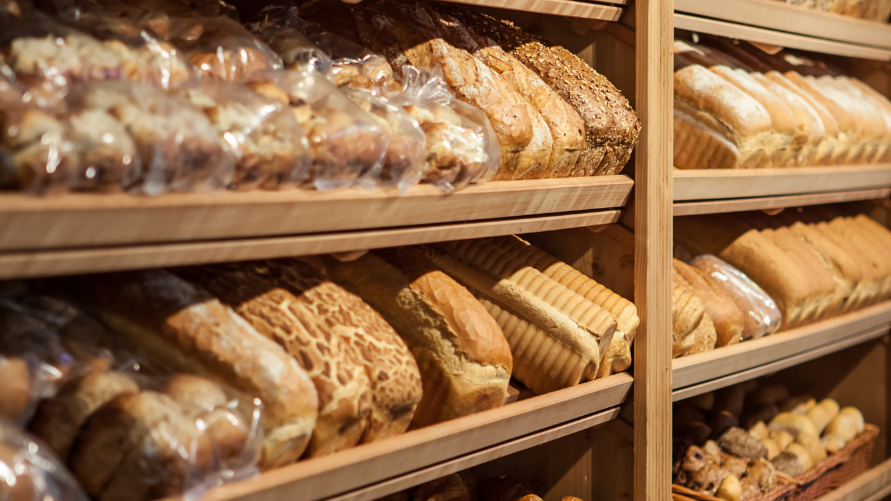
{"x":776,"y":202}
{"x":790,"y":18}
{"x":568,"y":8}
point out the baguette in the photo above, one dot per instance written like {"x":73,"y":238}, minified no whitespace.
{"x":464,"y":359}
{"x":333,"y":365}
{"x":725,"y":315}
{"x":535,"y":312}
{"x":180,"y":325}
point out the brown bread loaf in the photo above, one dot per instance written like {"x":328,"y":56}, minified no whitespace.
{"x":333,"y":365}
{"x":184,"y":327}
{"x":831,"y":148}
{"x":726,"y":316}
{"x":464,"y":359}
{"x":692,"y":329}
{"x":808,"y":121}
{"x":845,"y":270}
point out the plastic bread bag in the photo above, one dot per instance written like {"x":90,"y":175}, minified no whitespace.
{"x":347,"y":145}
{"x":220,"y":48}
{"x":179,"y":149}
{"x":762,"y":317}
{"x":269,"y":145}
{"x":29,"y":472}
{"x":405,"y":157}
{"x":461,"y":146}
{"x":355,"y":66}
{"x":297,"y":52}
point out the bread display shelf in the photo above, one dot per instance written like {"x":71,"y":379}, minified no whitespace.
{"x":873,"y":485}
{"x":791,"y":19}
{"x":397,"y":463}
{"x":778,"y":202}
{"x":729,"y":365}
{"x":567,"y":8}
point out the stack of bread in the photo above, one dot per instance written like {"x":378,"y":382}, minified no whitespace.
{"x":873,"y":10}
{"x":813,"y":264}
{"x":786,"y":436}
{"x":738,"y":107}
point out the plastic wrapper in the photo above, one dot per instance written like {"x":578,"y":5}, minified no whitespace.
{"x":219,"y":47}
{"x":269,"y":145}
{"x":145,"y":9}
{"x":297,"y":52}
{"x":461,"y":146}
{"x":29,"y":472}
{"x":177,"y":147}
{"x":347,"y":145}
{"x":762,"y":317}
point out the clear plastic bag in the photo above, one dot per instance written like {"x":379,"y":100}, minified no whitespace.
{"x":297,"y":52}
{"x":219,"y":47}
{"x":461,"y":146}
{"x":761,"y":315}
{"x":36,"y":154}
{"x":177,"y":146}
{"x":348,"y":146}
{"x":269,"y":145}
{"x":29,"y":472}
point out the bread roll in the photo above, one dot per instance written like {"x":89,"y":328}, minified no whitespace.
{"x":812,"y":443}
{"x":182,"y":326}
{"x":802,"y":454}
{"x":556,"y":335}
{"x":789,"y":463}
{"x":833,"y":443}
{"x":847,"y":424}
{"x":794,"y":423}
{"x":464,"y":359}
{"x":822,"y":413}
{"x":727,"y":317}
{"x":730,"y":489}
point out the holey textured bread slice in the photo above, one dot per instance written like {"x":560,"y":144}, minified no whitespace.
{"x":331,"y":362}
{"x":183,"y":327}
{"x":465,"y":360}
{"x":556,"y":335}
{"x":617,"y":357}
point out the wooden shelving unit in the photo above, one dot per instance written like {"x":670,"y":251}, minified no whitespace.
{"x":567,"y":8}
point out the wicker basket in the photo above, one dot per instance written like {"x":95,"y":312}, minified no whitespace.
{"x":818,"y":481}
{"x":782,"y":491}
{"x":857,"y":456}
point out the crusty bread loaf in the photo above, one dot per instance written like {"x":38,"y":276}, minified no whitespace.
{"x":830,"y":148}
{"x":717,"y":125}
{"x":871,"y":281}
{"x":535,"y":312}
{"x":874,"y":255}
{"x":807,"y":120}
{"x":59,"y":418}
{"x":617,"y":357}
{"x":845,"y":271}
{"x":726,"y":316}
{"x":611,"y":126}
{"x":335,"y":369}
{"x":464,"y":359}
{"x":849,"y":128}
{"x":871,"y":116}
{"x":182,"y":326}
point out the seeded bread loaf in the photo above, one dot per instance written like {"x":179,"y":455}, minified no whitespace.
{"x":185,"y":328}
{"x":335,"y":369}
{"x":464,"y":359}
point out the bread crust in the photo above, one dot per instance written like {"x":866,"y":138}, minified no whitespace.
{"x":726,"y":316}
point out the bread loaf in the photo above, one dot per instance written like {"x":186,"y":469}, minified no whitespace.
{"x":556,"y":335}
{"x":687,"y":316}
{"x":333,"y":365}
{"x":848,"y":127}
{"x":727,"y":317}
{"x":464,"y":359}
{"x":845,"y":270}
{"x":807,"y":120}
{"x":830,"y":148}
{"x":182,"y":326}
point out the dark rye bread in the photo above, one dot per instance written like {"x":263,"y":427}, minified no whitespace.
{"x":611,"y":126}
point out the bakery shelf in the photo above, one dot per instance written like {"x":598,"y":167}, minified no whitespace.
{"x":792,"y":19}
{"x":873,"y":485}
{"x":729,"y":365}
{"x":711,"y":191}
{"x":567,"y":8}
{"x":374,"y":470}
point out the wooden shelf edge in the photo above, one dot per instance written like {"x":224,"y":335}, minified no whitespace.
{"x":714,"y":185}
{"x":33,"y":264}
{"x":873,"y":485}
{"x":568,"y":8}
{"x":828,"y":335}
{"x":783,"y":39}
{"x":778,"y":202}
{"x":793,"y":19}
{"x":543,"y":417}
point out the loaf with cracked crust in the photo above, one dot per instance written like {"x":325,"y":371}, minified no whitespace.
{"x":333,"y":365}
{"x":183,"y":327}
{"x":617,"y":357}
{"x":464,"y":359}
{"x":556,"y":336}
{"x":726,"y":316}
{"x":611,"y":126}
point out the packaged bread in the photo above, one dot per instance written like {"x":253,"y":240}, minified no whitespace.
{"x":727,"y":317}
{"x":347,"y":145}
{"x":297,"y":52}
{"x":537,"y":313}
{"x":183,"y":328}
{"x":31,"y":471}
{"x":34,"y":150}
{"x":692,"y":329}
{"x":464,"y":358}
{"x":321,"y":309}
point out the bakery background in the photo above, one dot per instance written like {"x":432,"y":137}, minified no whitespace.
{"x":321,"y":250}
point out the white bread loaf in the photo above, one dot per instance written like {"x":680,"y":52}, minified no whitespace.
{"x":464,"y":359}
{"x":831,"y":148}
{"x":807,"y":121}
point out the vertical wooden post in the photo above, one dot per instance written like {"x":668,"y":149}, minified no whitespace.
{"x":653,"y":244}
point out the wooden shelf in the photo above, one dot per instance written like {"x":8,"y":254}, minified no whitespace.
{"x":729,"y":365}
{"x":873,"y":485}
{"x":567,"y":8}
{"x":374,"y":470}
{"x":712,"y":191}
{"x":787,"y":18}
